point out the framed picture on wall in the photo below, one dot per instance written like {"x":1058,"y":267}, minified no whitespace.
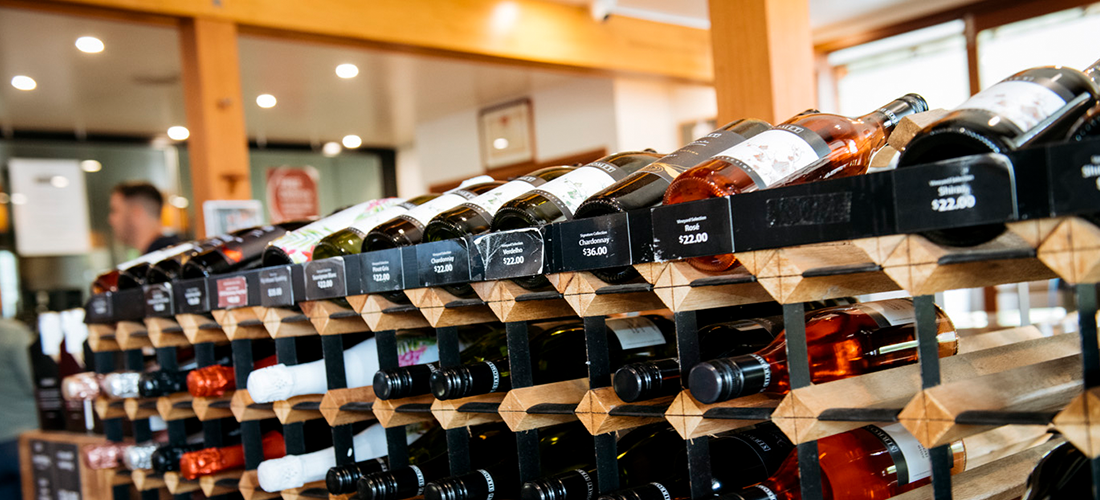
{"x":507,"y":134}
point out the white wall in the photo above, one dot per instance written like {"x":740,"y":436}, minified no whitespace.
{"x":410,"y":178}
{"x":447,"y":149}
{"x":574,"y":118}
{"x":643,"y":113}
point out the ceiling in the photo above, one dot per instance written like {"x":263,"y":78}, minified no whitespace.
{"x":133,"y":87}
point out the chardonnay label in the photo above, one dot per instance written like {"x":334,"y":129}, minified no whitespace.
{"x":422,"y":214}
{"x":490,"y":202}
{"x":889,"y":312}
{"x":775,"y":154}
{"x":636,"y":332}
{"x":1023,"y":103}
{"x":701,"y":149}
{"x":298,"y":244}
{"x":911,"y":460}
{"x":570,"y":190}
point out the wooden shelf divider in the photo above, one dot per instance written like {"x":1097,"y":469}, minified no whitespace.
{"x":601,"y":411}
{"x":145,"y":480}
{"x":299,"y":408}
{"x":329,"y":317}
{"x":166,"y":332}
{"x":511,"y":302}
{"x":102,"y":338}
{"x":107,"y":408}
{"x":693,"y":419}
{"x":451,"y":415}
{"x":397,"y":412}
{"x":132,"y":335}
{"x":1073,"y":251}
{"x":213,"y":408}
{"x":684,"y":288}
{"x":543,"y":405}
{"x":348,"y":406}
{"x":283,"y":322}
{"x":200,"y":328}
{"x":249,"y":486}
{"x":380,"y":314}
{"x":241,"y":323}
{"x":591,"y":296}
{"x":244,"y":409}
{"x":442,"y":309}
{"x":140,"y":408}
{"x":176,"y":406}
{"x":221,"y":483}
{"x":177,"y":485}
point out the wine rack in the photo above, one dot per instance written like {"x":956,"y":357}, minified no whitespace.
{"x":797,"y":244}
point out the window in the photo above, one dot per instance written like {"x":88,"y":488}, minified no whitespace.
{"x":1065,"y":38}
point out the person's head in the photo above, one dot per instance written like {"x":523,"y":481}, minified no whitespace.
{"x":135,"y":213}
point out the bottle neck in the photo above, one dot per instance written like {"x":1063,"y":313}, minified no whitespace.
{"x":889,"y":115}
{"x":578,"y":483}
{"x":651,"y":491}
{"x":727,"y":378}
{"x":470,"y":379}
{"x":403,"y":382}
{"x":647,"y":379}
{"x":1093,"y":72}
{"x":481,"y":483}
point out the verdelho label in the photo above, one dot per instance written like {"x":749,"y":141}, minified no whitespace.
{"x":693,"y":229}
{"x":955,"y":193}
{"x":512,"y":254}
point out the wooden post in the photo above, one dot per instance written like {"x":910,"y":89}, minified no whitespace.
{"x":763,"y":58}
{"x":218,"y":145}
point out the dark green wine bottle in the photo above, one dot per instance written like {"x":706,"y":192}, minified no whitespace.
{"x":349,"y":240}
{"x":485,"y":342}
{"x":408,"y":228}
{"x":242,"y":251}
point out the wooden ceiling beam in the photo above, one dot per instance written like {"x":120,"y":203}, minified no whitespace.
{"x":511,"y":31}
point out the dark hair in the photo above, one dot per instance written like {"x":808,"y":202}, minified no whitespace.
{"x":142,"y":192}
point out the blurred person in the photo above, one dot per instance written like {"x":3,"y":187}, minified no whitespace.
{"x":135,"y":217}
{"x":17,"y":411}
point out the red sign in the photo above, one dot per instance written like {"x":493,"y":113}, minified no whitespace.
{"x":292,"y":193}
{"x":232,"y":292}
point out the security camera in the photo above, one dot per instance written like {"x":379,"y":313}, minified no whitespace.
{"x":601,"y":9}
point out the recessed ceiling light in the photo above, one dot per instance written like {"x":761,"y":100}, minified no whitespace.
{"x":347,"y":70}
{"x":91,"y":166}
{"x":89,"y":45}
{"x":178,"y":202}
{"x":500,"y":143}
{"x":178,"y":133}
{"x":59,"y":181}
{"x":18,"y":198}
{"x":266,"y":101}
{"x":330,"y":149}
{"x":352,"y":141}
{"x":23,"y":82}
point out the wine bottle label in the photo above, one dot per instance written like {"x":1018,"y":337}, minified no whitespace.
{"x":1023,"y":103}
{"x":911,"y":459}
{"x":664,"y":491}
{"x":570,"y":190}
{"x":490,"y":202}
{"x":491,"y":486}
{"x":767,"y":492}
{"x":416,"y":350}
{"x":496,"y":375}
{"x":421,"y":215}
{"x":889,"y":312}
{"x":636,"y":332}
{"x":767,"y":368}
{"x":704,"y":148}
{"x":774,"y":154}
{"x":419,"y":479}
{"x":298,"y":244}
{"x":157,"y":256}
{"x":587,"y":482}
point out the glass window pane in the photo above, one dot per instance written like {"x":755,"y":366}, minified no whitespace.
{"x":929,"y":61}
{"x":1065,"y":38}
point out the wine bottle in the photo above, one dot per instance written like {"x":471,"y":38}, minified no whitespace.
{"x":738,"y":460}
{"x":555,"y":356}
{"x":842,"y":341}
{"x":808,"y":147}
{"x":478,"y":342}
{"x":210,"y":461}
{"x":408,"y":228}
{"x":349,"y":240}
{"x":162,"y":383}
{"x":646,"y":187}
{"x":239,"y":252}
{"x":558,"y":452}
{"x":167,"y":458}
{"x":558,"y":199}
{"x":1062,"y":473}
{"x":661,"y":377}
{"x":171,"y":268}
{"x":476,"y":216}
{"x":83,"y":386}
{"x":105,"y":455}
{"x":139,"y":456}
{"x":340,"y":480}
{"x":296,"y":247}
{"x":216,"y":380}
{"x":488,"y":443}
{"x":1087,"y":127}
{"x":120,"y":385}
{"x":131,"y":274}
{"x":868,"y":463}
{"x":1034,"y":106}
{"x":293,"y":471}
{"x":280,"y":382}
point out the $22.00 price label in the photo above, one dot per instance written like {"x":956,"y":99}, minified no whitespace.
{"x":955,"y":193}
{"x":693,"y":229}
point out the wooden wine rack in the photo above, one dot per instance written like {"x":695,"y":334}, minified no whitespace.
{"x":1013,"y":381}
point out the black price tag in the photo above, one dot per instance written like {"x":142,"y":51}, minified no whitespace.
{"x":512,"y":254}
{"x":383,"y":270}
{"x":1075,"y":178}
{"x":961,"y":192}
{"x":43,"y":471}
{"x":191,"y":297}
{"x":595,"y":243}
{"x":693,"y":229}
{"x":276,"y":288}
{"x":158,"y":300}
{"x":99,"y":309}
{"x":443,"y":262}
{"x":66,"y":460}
{"x":129,"y":304}
{"x":326,"y":279}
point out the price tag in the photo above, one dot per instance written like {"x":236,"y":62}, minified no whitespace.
{"x":443,"y":262}
{"x":512,"y":254}
{"x":232,"y":292}
{"x":693,"y":229}
{"x":961,"y":192}
{"x":191,"y":297}
{"x":326,"y":279}
{"x":1075,"y":178}
{"x":66,"y":463}
{"x":595,"y":243}
{"x":129,"y":304}
{"x":383,"y":270}
{"x":158,"y":300}
{"x":276,"y":287}
{"x":99,"y":309}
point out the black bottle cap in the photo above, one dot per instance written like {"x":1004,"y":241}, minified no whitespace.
{"x":403,"y":382}
{"x":466,"y":380}
{"x":382,"y":486}
{"x":579,"y":484}
{"x":728,"y":378}
{"x":341,"y":480}
{"x":638,"y":381}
